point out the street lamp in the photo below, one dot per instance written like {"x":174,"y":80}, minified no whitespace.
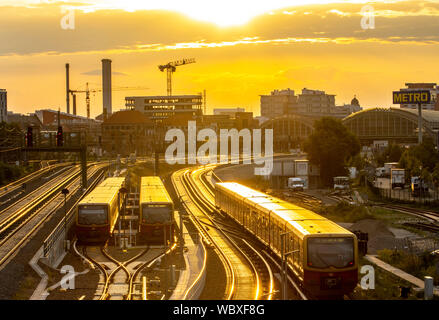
{"x":65,"y":192}
{"x":180,"y":213}
{"x":123,"y":191}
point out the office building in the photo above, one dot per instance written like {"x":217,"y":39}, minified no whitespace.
{"x":158,"y":108}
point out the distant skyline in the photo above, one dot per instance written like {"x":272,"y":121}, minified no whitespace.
{"x":240,"y":53}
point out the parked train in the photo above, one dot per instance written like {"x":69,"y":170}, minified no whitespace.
{"x":156,"y":221}
{"x":324,"y":256}
{"x":97,"y":213}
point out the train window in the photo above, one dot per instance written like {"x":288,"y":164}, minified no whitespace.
{"x":88,"y":215}
{"x":327,"y":252}
{"x":156,"y":213}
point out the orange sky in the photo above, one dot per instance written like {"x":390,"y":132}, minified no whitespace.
{"x":319,"y":46}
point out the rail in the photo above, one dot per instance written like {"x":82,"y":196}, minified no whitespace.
{"x":67,"y":223}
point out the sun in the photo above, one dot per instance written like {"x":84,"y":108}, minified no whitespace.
{"x":224,"y":13}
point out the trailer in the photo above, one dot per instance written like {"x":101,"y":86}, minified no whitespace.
{"x":397,"y":177}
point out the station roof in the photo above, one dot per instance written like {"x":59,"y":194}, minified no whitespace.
{"x":428,"y":115}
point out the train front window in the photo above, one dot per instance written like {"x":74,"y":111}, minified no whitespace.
{"x":92,"y":215}
{"x":156,"y":214}
{"x":330,"y":252}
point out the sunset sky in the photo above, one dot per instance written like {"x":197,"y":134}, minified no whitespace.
{"x":242,"y":48}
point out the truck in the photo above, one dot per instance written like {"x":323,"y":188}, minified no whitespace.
{"x":418,"y":186}
{"x":388,"y":166}
{"x":397,"y":177}
{"x":296,"y":184}
{"x":341,"y":183}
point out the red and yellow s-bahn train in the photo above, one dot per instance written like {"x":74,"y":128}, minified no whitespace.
{"x":324,"y":256}
{"x":97,"y":213}
{"x":156,"y":218}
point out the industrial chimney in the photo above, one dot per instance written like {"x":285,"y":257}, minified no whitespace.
{"x":67,"y":88}
{"x":106,"y":87}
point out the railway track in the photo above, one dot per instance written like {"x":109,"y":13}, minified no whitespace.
{"x":17,"y":184}
{"x":119,"y":278}
{"x":16,"y":227}
{"x":210,"y":238}
{"x":263,"y":283}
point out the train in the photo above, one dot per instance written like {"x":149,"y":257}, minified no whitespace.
{"x":156,"y":217}
{"x":322,"y":255}
{"x":97,"y":212}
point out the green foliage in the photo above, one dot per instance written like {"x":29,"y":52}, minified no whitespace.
{"x":331,"y":146}
{"x":392,"y":153}
{"x":421,"y":160}
{"x":435,"y":175}
{"x":344,"y":212}
{"x":10,"y":172}
{"x":417,"y":265}
{"x":358,"y":162}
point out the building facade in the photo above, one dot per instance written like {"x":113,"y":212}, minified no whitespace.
{"x":126,"y":132}
{"x":314,"y":103}
{"x":3,"y":105}
{"x":434,"y":91}
{"x":227,"y":111}
{"x":158,"y":108}
{"x":278,"y":103}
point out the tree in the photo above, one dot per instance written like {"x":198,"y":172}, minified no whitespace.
{"x":331,"y":146}
{"x":421,"y":159}
{"x":392,"y":153}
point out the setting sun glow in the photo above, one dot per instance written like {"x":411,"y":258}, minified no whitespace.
{"x":223,"y":13}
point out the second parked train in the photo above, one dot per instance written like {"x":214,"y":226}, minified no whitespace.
{"x":156,"y":219}
{"x":322,"y":255}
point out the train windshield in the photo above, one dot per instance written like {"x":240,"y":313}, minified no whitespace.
{"x":158,"y":213}
{"x":330,"y":252}
{"x":92,"y":215}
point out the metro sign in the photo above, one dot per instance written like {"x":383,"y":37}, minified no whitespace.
{"x":412,"y":97}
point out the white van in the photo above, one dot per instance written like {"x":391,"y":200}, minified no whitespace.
{"x":296,"y":184}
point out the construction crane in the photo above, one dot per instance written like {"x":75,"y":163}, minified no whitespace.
{"x":171,"y":68}
{"x":87,"y":92}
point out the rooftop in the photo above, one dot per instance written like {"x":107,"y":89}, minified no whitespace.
{"x":127,"y":117}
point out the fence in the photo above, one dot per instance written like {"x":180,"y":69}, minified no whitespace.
{"x":406,"y":195}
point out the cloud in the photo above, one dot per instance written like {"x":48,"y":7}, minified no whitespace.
{"x":36,"y":29}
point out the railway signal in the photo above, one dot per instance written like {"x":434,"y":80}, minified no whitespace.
{"x":29,"y":137}
{"x":59,"y":137}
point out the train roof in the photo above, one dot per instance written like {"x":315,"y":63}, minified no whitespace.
{"x":152,"y":190}
{"x":151,"y":181}
{"x":104,"y":192}
{"x":303,"y":220}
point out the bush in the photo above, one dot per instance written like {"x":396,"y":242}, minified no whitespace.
{"x":344,"y":212}
{"x":11,"y":172}
{"x":418,"y":265}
